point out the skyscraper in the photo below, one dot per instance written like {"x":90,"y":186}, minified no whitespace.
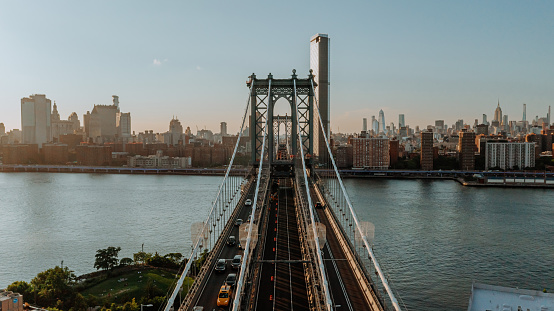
{"x":319,"y":63}
{"x":36,"y":120}
{"x":364,"y":124}
{"x":223,"y":128}
{"x":2,"y":129}
{"x":382,"y":122}
{"x":524,"y":112}
{"x":498,"y":113}
{"x":485,"y":119}
{"x":426,"y":159}
{"x":548,"y":116}
{"x":401,"y":122}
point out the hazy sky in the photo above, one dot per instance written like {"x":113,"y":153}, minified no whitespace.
{"x":427,"y":59}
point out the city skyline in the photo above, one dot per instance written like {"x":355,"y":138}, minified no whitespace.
{"x":408,"y":58}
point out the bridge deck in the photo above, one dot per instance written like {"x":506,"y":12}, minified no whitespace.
{"x":288,"y":290}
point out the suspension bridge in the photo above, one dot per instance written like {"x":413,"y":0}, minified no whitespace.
{"x":285,"y":234}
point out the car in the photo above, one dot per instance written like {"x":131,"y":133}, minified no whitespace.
{"x":318,"y":205}
{"x":232,"y":241}
{"x":224,"y":296}
{"x":235,"y":263}
{"x":238,"y":222}
{"x":231,"y":279}
{"x":249,"y":218}
{"x":221,"y":265}
{"x":248,"y":202}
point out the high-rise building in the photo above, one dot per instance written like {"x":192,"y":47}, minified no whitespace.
{"x":382,"y":123}
{"x":548,"y":116}
{"x":36,"y":120}
{"x":439,"y":126}
{"x":498,"y":113}
{"x":401,"y":122}
{"x":426,"y":158}
{"x":374,"y":125}
{"x":223,"y":128}
{"x":123,"y":123}
{"x":2,"y":129}
{"x":524,"y":113}
{"x":319,"y":63}
{"x":466,"y":150}
{"x":509,"y":155}
{"x":485,"y":119}
{"x":62,"y":127}
{"x":364,"y":124}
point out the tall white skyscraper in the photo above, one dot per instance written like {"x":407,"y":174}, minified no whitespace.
{"x":319,"y":63}
{"x":36,"y":120}
{"x":382,"y":125}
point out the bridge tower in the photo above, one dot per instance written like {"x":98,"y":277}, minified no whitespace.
{"x":264,"y":95}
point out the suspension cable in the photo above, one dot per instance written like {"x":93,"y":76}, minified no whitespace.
{"x":176,"y":290}
{"x":354,"y":217}
{"x":328,"y":300}
{"x":240,"y":283}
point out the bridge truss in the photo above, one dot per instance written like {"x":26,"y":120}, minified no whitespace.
{"x":326,"y":178}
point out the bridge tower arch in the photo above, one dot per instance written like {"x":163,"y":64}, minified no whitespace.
{"x":264,"y":95}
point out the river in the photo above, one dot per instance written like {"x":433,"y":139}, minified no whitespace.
{"x":433,"y":238}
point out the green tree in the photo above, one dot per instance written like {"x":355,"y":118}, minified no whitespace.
{"x":107,"y":258}
{"x":176,"y":258}
{"x":54,"y":285}
{"x":126,"y":261}
{"x":141,"y":257}
{"x":24,"y":289}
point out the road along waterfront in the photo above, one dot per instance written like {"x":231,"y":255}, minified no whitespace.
{"x":432,"y":237}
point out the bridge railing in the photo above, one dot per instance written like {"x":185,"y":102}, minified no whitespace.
{"x":205,"y":235}
{"x":330,"y":183}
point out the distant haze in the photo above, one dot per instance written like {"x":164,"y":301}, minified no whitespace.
{"x":428,"y":60}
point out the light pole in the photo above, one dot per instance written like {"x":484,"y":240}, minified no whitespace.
{"x":148,"y":305}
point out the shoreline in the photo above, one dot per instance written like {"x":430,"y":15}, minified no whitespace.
{"x":350,"y":174}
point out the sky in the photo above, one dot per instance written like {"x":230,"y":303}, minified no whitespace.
{"x":429,"y":60}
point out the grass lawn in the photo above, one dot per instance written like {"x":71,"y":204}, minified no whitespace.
{"x":133,"y":284}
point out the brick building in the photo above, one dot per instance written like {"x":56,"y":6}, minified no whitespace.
{"x":21,"y":154}
{"x":466,"y":150}
{"x":370,"y":153}
{"x":92,"y":155}
{"x":55,"y":153}
{"x":394,"y":151}
{"x":426,"y":159}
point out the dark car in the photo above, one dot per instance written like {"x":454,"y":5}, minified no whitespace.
{"x":238,"y":222}
{"x":232,"y":241}
{"x":236,"y":261}
{"x":221,"y":265}
{"x":318,"y":205}
{"x":231,"y":279}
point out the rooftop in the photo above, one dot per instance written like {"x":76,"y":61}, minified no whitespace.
{"x":490,"y":297}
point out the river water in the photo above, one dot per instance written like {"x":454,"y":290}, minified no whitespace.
{"x":433,"y":238}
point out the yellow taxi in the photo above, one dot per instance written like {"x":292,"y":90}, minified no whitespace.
{"x":224,"y":296}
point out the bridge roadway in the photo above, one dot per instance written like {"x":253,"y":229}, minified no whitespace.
{"x":281,"y":284}
{"x":207,"y":295}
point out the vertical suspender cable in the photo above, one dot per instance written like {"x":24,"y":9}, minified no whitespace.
{"x":393,"y":299}
{"x":240,"y":283}
{"x":194,"y":252}
{"x":328,"y":301}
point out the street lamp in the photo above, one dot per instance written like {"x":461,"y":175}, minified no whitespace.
{"x":148,"y":305}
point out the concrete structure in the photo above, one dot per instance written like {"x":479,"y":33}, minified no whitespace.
{"x":466,"y":150}
{"x":509,"y":155}
{"x":63,"y":127}
{"x":319,"y":63}
{"x":364,"y":124}
{"x":490,"y":297}
{"x":159,"y":160}
{"x":370,"y":153}
{"x":10,"y":301}
{"x":123,"y":124}
{"x":2,"y":129}
{"x":524,"y":113}
{"x":426,"y":159}
{"x":439,"y":126}
{"x":106,"y":123}
{"x":36,"y":120}
{"x":223,"y":128}
{"x":482,"y":129}
{"x":175,"y":133}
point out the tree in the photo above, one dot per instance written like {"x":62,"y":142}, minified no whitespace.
{"x":23,"y":288}
{"x":126,"y":261}
{"x":54,"y":285}
{"x":141,"y":257}
{"x":107,"y":258}
{"x":175,"y":258}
